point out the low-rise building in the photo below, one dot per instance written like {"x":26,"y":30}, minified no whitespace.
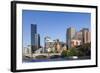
{"x":75,"y":42}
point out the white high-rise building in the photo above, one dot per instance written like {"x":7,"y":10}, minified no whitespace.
{"x":49,"y":43}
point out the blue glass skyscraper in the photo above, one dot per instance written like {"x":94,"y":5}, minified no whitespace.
{"x":35,"y":38}
{"x":33,"y":32}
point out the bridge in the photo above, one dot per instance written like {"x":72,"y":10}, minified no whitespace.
{"x":43,"y":54}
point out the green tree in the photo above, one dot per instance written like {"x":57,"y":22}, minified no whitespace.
{"x":51,"y":51}
{"x":72,"y":52}
{"x":64,"y":53}
{"x":84,"y":50}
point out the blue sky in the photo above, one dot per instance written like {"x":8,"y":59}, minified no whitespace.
{"x":53,"y":24}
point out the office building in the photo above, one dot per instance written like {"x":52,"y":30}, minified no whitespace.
{"x":75,"y":42}
{"x":35,"y":38}
{"x":49,"y":43}
{"x":58,"y":46}
{"x":78,"y":35}
{"x":27,"y":50}
{"x":37,"y":41}
{"x":70,"y":35}
{"x":86,"y":35}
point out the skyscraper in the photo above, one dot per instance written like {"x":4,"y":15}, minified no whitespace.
{"x":70,"y":35}
{"x":33,"y":37}
{"x":78,"y":35}
{"x":37,"y":41}
{"x":74,"y":38}
{"x":86,"y":35}
{"x":89,"y":37}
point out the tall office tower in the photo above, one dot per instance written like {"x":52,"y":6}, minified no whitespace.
{"x":70,"y":35}
{"x":37,"y":41}
{"x":86,"y":35}
{"x":78,"y":35}
{"x":33,"y":32}
{"x":89,"y":37}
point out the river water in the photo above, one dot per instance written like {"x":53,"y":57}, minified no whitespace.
{"x":57,"y":59}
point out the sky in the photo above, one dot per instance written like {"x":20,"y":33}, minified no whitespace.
{"x":52,"y":24}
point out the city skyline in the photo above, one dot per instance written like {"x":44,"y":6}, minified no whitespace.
{"x":53,"y":24}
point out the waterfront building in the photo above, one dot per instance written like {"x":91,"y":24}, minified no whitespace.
{"x":75,"y":42}
{"x":77,"y":38}
{"x":35,"y":38}
{"x":38,"y":51}
{"x":89,"y":37}
{"x":70,"y":35}
{"x":86,"y":35}
{"x":48,"y":43}
{"x":27,"y":50}
{"x":37,"y":41}
{"x":33,"y":32}
{"x":58,"y":46}
{"x":78,"y":35}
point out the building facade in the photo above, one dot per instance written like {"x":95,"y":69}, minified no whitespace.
{"x":58,"y":46}
{"x":75,"y":42}
{"x":78,"y":35}
{"x":37,"y":41}
{"x":78,"y":38}
{"x":35,"y":38}
{"x":48,"y":43}
{"x":27,"y":50}
{"x":70,"y":35}
{"x":86,"y":35}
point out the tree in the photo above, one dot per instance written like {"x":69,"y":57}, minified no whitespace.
{"x":64,"y":53}
{"x":72,"y":52}
{"x":51,"y":51}
{"x":84,"y":50}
